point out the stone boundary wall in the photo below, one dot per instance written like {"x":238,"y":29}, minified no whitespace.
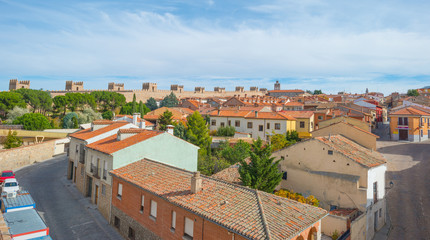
{"x":26,"y":155}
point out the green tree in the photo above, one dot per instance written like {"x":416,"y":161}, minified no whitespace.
{"x":75,"y":122}
{"x":278,"y":141}
{"x":228,"y":131}
{"x":209,"y":165}
{"x":151,"y":104}
{"x":198,"y":132}
{"x":9,"y":100}
{"x":68,"y":120}
{"x":134,"y":104}
{"x":169,"y":101}
{"x":88,"y":115}
{"x":143,"y":109}
{"x":165,"y":119}
{"x":180,"y":131}
{"x":15,"y":113}
{"x":107,"y":115}
{"x":234,"y":154}
{"x":33,"y":121}
{"x":39,"y":100}
{"x":262,"y":171}
{"x":12,"y":140}
{"x":107,"y":100}
{"x":316,"y":92}
{"x":292,"y":137}
{"x":413,"y":92}
{"x":60,"y":103}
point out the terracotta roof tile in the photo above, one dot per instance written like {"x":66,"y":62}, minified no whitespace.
{"x":111,"y":144}
{"x":299,"y":114}
{"x":410,"y":111}
{"x":87,"y":133}
{"x":354,"y":151}
{"x":252,"y":214}
{"x":251,"y":114}
{"x":147,"y":123}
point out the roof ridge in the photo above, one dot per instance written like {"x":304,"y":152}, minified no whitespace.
{"x":263,"y":217}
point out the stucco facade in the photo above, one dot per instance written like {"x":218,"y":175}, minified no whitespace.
{"x":416,"y":128}
{"x":358,"y":123}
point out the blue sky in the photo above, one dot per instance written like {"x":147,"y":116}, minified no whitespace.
{"x":307,"y":44}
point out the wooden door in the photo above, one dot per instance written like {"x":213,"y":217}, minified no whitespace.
{"x":403,"y":134}
{"x":96,"y":195}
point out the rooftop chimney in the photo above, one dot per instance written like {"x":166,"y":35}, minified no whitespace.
{"x":256,"y":113}
{"x":196,"y":182}
{"x":135,"y":116}
{"x":170,"y":129}
{"x":142,"y":124}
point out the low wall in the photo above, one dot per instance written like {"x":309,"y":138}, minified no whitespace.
{"x":333,"y":223}
{"x":27,"y":155}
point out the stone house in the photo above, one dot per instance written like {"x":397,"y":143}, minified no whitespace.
{"x":304,"y":122}
{"x":151,"y":200}
{"x":341,"y":174}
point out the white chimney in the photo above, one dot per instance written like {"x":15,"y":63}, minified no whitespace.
{"x":170,"y":129}
{"x":142,"y":124}
{"x":135,"y":116}
{"x":196,"y":182}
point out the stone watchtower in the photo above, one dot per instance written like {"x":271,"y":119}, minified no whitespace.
{"x":115,"y":86}
{"x":199,"y":89}
{"x":239,"y":89}
{"x":277,"y":85}
{"x":74,"y":86}
{"x":151,"y":87}
{"x":253,"y":89}
{"x":15,"y":84}
{"x":177,"y":88}
{"x":219,"y":89}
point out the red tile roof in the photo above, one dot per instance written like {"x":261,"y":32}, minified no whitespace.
{"x":251,"y":213}
{"x":293,"y":104}
{"x":230,"y":113}
{"x":354,"y":151}
{"x":349,"y":124}
{"x":299,"y":114}
{"x":87,"y":133}
{"x":147,"y":123}
{"x":111,"y":144}
{"x":410,"y":111}
{"x":251,"y":114}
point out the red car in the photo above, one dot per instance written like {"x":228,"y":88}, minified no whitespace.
{"x":6,"y":174}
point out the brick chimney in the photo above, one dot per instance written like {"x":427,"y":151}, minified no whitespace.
{"x":196,"y":182}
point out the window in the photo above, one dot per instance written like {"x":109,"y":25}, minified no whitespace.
{"x":105,"y":171}
{"x":153,"y":209}
{"x":189,"y":228}
{"x":277,"y":126}
{"x":284,"y":175}
{"x":249,"y":124}
{"x":92,"y":164}
{"x":330,"y":152}
{"x":400,"y":121}
{"x":375,"y":192}
{"x":302,"y":124}
{"x":103,"y":189}
{"x":268,"y":125}
{"x":422,"y":133}
{"x":260,"y":128}
{"x":116,"y":222}
{"x":229,"y":122}
{"x":82,"y":171}
{"x":320,"y":117}
{"x":213,"y":122}
{"x":222,"y":124}
{"x":142,"y":204}
{"x":173,"y":220}
{"x":77,"y":148}
{"x":119,"y":191}
{"x":380,"y":212}
{"x":237,"y":123}
{"x":131,"y":234}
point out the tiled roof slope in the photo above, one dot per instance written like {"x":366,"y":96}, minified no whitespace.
{"x":298,"y":114}
{"x":230,"y":174}
{"x":251,"y":114}
{"x":86,"y":134}
{"x":147,"y":123}
{"x":410,"y":111}
{"x":350,"y":125}
{"x":354,"y":151}
{"x":253,"y":214}
{"x":110,"y":144}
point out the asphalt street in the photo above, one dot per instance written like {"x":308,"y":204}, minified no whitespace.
{"x":408,"y":200}
{"x":67,"y":213}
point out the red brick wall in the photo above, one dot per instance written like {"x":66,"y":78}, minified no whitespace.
{"x":130,"y":205}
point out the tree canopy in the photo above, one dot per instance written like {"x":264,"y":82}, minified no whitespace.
{"x":151,"y":104}
{"x":198,"y":132}
{"x":108,"y":100}
{"x":413,"y":92}
{"x":170,"y":101}
{"x":9,"y":100}
{"x":261,"y":172}
{"x":228,"y":131}
{"x":235,"y":154}
{"x":38,"y":100}
{"x":165,"y":119}
{"x":33,"y":121}
{"x":12,"y":140}
{"x":68,"y":122}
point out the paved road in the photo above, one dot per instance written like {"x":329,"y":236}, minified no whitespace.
{"x":409,"y":199}
{"x":67,"y":213}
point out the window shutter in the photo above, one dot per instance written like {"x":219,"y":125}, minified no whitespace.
{"x":189,"y":227}
{"x":154,"y":208}
{"x":173,"y":219}
{"x":119,"y":189}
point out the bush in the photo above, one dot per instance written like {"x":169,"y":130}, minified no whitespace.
{"x":68,"y":120}
{"x":12,"y":141}
{"x":311,"y":200}
{"x":88,"y":115}
{"x":33,"y":121}
{"x":228,"y":131}
{"x":15,"y":113}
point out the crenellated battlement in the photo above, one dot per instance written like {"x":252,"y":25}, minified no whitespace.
{"x":15,"y":84}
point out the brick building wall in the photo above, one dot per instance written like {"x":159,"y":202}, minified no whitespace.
{"x":127,"y":210}
{"x":26,"y":155}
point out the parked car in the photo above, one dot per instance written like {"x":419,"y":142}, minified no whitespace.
{"x":10,"y":185}
{"x":6,"y":174}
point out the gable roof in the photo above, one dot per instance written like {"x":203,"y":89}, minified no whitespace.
{"x":251,"y":114}
{"x":147,"y":123}
{"x":298,"y":114}
{"x":410,"y":111}
{"x":354,"y":151}
{"x":350,"y":125}
{"x":248,"y":212}
{"x":86,"y":134}
{"x":111,"y":144}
